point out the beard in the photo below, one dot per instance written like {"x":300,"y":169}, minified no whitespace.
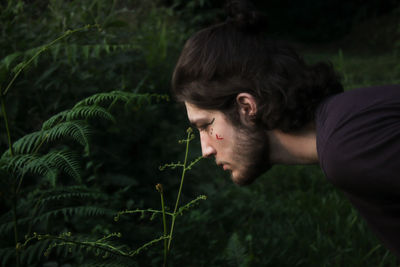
{"x":252,"y":153}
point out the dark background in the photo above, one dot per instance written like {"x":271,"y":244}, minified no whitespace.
{"x":290,"y":217}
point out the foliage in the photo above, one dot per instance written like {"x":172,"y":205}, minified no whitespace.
{"x":46,"y":166}
{"x":75,"y":170}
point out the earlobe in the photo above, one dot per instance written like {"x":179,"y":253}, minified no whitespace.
{"x":247,"y":106}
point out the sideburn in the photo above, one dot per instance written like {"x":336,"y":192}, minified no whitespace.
{"x":252,"y":150}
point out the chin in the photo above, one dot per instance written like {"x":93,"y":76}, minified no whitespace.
{"x":248,"y":176}
{"x":241,"y":179}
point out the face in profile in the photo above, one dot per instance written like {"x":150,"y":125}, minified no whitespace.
{"x":240,"y":150}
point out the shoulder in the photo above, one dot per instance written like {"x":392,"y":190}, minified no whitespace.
{"x":358,"y":133}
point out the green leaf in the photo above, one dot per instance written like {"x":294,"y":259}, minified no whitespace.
{"x":8,"y":60}
{"x":85,"y":51}
{"x":55,"y":50}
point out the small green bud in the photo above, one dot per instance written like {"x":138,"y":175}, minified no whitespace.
{"x":189,"y":130}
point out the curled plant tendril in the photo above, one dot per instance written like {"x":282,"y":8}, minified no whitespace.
{"x":189,"y":167}
{"x":178,"y":210}
{"x":191,"y":204}
{"x":171,"y":165}
{"x":153,"y":216}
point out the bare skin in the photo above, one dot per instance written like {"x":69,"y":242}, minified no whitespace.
{"x":219,"y":138}
{"x":285,"y":148}
{"x":293,"y":148}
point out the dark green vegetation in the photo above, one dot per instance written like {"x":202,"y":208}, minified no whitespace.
{"x":79,"y":168}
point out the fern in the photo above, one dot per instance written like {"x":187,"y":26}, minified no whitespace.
{"x":235,"y":252}
{"x":129,"y":98}
{"x":72,"y":52}
{"x":45,"y":217}
{"x":33,"y":253}
{"x":28,"y":143}
{"x":81,"y":211}
{"x":42,"y":205}
{"x":64,"y":160}
{"x":71,"y":193}
{"x":82,"y":112}
{"x":46,"y":165}
{"x":6,"y":253}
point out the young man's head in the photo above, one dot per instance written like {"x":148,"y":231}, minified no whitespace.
{"x":231,"y":74}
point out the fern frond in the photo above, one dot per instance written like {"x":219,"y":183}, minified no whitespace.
{"x":74,"y":52}
{"x":37,"y":165}
{"x":127,"y":97}
{"x":81,"y":112}
{"x":17,"y":164}
{"x":66,"y":161}
{"x":72,"y":193}
{"x":7,"y":227}
{"x":86,"y":112}
{"x":77,"y":130}
{"x":235,"y":252}
{"x":6,"y":253}
{"x":28,"y":143}
{"x":9,"y":59}
{"x":55,"y":119}
{"x":112,"y":261}
{"x":31,"y":254}
{"x":20,"y":165}
{"x":81,"y":211}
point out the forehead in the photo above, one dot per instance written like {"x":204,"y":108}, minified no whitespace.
{"x":194,"y":113}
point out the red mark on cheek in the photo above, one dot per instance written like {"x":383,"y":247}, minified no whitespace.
{"x":218,"y":137}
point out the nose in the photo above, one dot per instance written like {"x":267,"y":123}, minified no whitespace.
{"x":207,"y":149}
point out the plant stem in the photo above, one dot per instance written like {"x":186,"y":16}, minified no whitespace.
{"x":180,"y":191}
{"x":14,"y":197}
{"x":15,"y":219}
{"x":160,"y":189}
{"x":44,"y":48}
{"x":3,"y":109}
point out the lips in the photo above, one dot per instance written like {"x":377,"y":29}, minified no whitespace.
{"x":223,"y":166}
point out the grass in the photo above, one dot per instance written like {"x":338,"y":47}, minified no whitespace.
{"x":361,"y":70}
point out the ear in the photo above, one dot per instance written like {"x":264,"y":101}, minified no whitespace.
{"x":247,"y":107}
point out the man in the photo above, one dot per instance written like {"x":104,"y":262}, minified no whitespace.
{"x":256,"y":103}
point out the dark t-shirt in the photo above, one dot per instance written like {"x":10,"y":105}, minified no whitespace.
{"x":358,"y":144}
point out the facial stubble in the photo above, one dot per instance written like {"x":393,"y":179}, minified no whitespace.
{"x":251,"y":151}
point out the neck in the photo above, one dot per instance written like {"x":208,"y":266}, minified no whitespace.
{"x":293,"y":148}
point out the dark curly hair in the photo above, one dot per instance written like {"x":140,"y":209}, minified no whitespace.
{"x":221,"y":61}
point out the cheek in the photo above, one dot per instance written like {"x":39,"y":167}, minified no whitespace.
{"x":216,"y":135}
{"x":219,"y":137}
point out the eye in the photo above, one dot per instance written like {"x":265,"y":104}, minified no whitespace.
{"x":205,"y":126}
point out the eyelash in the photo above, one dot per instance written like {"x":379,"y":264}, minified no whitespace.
{"x":204,"y":127}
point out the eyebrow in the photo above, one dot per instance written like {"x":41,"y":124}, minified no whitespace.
{"x":201,"y":123}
